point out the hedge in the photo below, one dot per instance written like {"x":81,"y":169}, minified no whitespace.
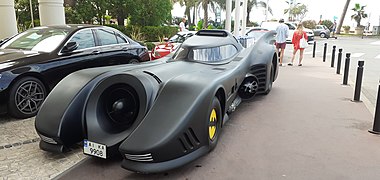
{"x":149,"y":33}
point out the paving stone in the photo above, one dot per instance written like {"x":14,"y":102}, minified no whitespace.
{"x":21,"y":157}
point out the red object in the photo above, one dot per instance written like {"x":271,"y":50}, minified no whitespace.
{"x":296,"y":39}
{"x":162,"y":50}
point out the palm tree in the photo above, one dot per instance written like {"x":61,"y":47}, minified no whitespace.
{"x":250,"y":5}
{"x":205,"y":5}
{"x":290,"y":9}
{"x":188,"y":4}
{"x":255,"y":3}
{"x":342,"y":16}
{"x":359,"y":13}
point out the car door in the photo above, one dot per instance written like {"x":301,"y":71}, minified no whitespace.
{"x":115,"y":48}
{"x":84,"y":56}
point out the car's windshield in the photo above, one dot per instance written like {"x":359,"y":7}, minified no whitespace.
{"x":37,"y":39}
{"x":209,"y":54}
{"x":177,"y":39}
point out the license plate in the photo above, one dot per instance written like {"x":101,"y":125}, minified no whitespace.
{"x":94,"y":149}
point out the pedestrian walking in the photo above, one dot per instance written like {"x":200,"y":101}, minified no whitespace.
{"x":282,"y":33}
{"x":298,"y":36}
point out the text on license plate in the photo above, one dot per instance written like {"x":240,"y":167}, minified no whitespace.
{"x":94,"y":149}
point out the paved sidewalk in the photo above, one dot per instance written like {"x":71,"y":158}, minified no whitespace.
{"x":306,"y":128}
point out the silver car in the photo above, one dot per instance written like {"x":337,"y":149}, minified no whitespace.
{"x":322,"y":31}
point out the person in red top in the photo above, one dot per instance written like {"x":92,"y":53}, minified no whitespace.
{"x":298,"y":34}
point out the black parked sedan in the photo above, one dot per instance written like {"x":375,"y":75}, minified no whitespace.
{"x":34,"y":61}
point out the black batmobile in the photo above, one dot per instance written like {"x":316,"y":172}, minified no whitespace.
{"x":163,"y":114}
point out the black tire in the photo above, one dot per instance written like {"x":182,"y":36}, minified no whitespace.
{"x":270,"y":81}
{"x":214,"y":123}
{"x":26,"y":97}
{"x":322,"y":35}
{"x":133,"y":61}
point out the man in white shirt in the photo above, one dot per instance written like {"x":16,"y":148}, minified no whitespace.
{"x":282,"y":33}
{"x":182,"y":26}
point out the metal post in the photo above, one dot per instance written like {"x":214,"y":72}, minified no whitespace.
{"x":314,"y":46}
{"x":346,"y":68}
{"x":376,"y":123}
{"x":324,"y":52}
{"x":359,"y":78}
{"x":339,"y":61}
{"x":333,"y":56}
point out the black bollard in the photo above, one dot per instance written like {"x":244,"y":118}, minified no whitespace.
{"x":333,"y":56}
{"x":359,"y":78}
{"x":324,"y":52}
{"x":346,"y":68}
{"x":376,"y":123}
{"x":314,"y":46}
{"x":339,"y":61}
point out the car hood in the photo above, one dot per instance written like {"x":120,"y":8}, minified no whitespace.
{"x":308,"y":30}
{"x":10,"y":57}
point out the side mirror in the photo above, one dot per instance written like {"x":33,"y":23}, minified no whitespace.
{"x":71,"y":46}
{"x":166,"y":39}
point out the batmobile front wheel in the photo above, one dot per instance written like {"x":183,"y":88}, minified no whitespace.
{"x":26,"y":97}
{"x":214,"y":123}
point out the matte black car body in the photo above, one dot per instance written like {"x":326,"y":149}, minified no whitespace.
{"x":168,"y":121}
{"x":19,"y":66}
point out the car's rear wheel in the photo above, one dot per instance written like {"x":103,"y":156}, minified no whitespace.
{"x":214,"y":123}
{"x":270,"y":84}
{"x":248,"y":87}
{"x":133,"y":61}
{"x":322,"y":35}
{"x":26,"y":97}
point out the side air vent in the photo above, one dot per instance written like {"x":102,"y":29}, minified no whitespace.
{"x":48,"y":140}
{"x":140,"y":157}
{"x":189,"y":140}
{"x":260,"y":72}
{"x":154,"y":76}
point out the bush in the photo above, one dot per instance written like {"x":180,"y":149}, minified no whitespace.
{"x":328,"y":24}
{"x":347,"y":28}
{"x":122,"y":29}
{"x":309,"y":24}
{"x":152,"y":33}
{"x":149,"y":45}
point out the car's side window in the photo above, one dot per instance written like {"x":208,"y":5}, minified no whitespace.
{"x":84,"y":39}
{"x":120,"y":39}
{"x":214,"y":54}
{"x":106,"y":37}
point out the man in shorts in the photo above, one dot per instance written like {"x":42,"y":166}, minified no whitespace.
{"x":282,"y":33}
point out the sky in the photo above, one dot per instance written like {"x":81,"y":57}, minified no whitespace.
{"x":327,"y":8}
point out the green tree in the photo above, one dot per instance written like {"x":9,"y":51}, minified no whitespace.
{"x":149,"y":12}
{"x":255,"y":3}
{"x":71,"y":15}
{"x":23,"y":15}
{"x":119,"y":9}
{"x":189,"y":4}
{"x":359,"y":14}
{"x":311,"y":24}
{"x":342,"y":16}
{"x":296,"y":11}
{"x":290,"y":10}
{"x":205,"y":6}
{"x":87,"y":10}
